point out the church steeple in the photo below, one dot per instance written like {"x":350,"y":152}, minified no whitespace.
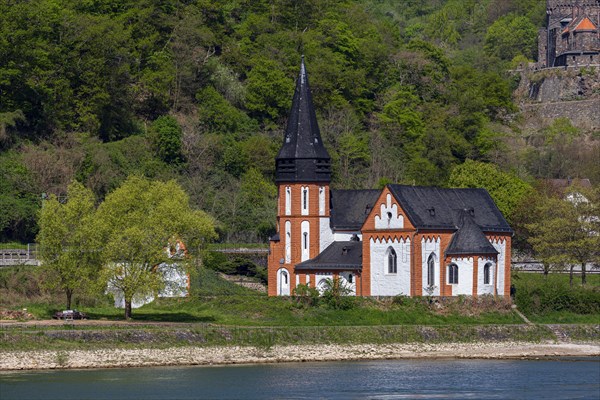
{"x":302,"y":158}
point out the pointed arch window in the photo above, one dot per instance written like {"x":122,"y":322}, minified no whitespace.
{"x":431,"y":270}
{"x":305,"y":240}
{"x":288,"y":200}
{"x":304,"y":200}
{"x":392,"y":261}
{"x":487,"y":274}
{"x":452,"y":274}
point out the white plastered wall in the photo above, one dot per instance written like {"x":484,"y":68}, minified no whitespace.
{"x":383,"y":283}
{"x":483,"y":289}
{"x":345,"y":280}
{"x":388,"y":217}
{"x":320,"y":278}
{"x":500,"y":246}
{"x":465,"y":276}
{"x":429,"y":246}
{"x":326,"y":236}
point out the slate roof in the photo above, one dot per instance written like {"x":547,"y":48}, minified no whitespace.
{"x":430,"y":207}
{"x":468,"y":239}
{"x":350,"y":208}
{"x":302,"y":157}
{"x":340,"y":256}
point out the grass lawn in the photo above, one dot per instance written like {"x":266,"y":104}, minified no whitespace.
{"x":217,"y":301}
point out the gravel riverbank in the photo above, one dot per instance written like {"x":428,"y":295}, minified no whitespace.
{"x":113,"y":358}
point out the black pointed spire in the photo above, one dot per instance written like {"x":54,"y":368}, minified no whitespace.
{"x":302,"y":158}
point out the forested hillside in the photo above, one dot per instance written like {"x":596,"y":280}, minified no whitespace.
{"x":198,"y":91}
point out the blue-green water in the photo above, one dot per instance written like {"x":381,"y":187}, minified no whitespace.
{"x":399,"y":379}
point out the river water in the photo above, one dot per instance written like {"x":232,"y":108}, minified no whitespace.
{"x":397,"y":379}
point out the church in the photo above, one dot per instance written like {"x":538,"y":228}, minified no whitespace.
{"x":400,"y":240}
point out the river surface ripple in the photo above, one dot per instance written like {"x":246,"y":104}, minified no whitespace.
{"x":393,"y":379}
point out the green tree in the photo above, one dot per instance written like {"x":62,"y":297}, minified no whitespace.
{"x":166,"y":136}
{"x":269,"y":90}
{"x":69,"y":259}
{"x":218,"y":115}
{"x":567,"y":231}
{"x":134,"y":225}
{"x":19,"y":199}
{"x":507,"y":190}
{"x":511,"y":35}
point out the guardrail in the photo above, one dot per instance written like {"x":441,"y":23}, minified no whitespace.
{"x":19,"y":256}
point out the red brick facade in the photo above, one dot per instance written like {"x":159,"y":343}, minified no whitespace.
{"x":293,"y":213}
{"x":296,"y":215}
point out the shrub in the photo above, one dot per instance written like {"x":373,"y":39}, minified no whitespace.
{"x":540,"y":297}
{"x":304,"y":295}
{"x":336,"y":295}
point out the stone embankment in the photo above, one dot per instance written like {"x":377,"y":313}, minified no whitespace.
{"x":113,"y":358}
{"x":546,"y":94}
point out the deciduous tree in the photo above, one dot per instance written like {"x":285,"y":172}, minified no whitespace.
{"x":507,"y":190}
{"x":68,"y":257}
{"x":134,"y":225}
{"x":567,"y":231}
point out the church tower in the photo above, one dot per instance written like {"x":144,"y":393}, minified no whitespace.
{"x":302,"y":175}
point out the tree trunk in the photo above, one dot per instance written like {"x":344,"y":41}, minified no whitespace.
{"x":127,"y":309}
{"x":583,"y":277}
{"x":69,"y":293}
{"x":546,"y":270}
{"x":571,"y":275}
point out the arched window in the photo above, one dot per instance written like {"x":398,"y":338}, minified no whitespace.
{"x":392,"y":261}
{"x":431,"y":270}
{"x":304,"y":200}
{"x":288,"y":200}
{"x":322,"y":200}
{"x":452,"y":274}
{"x":305,"y":240}
{"x":487,"y":273}
{"x":350,"y":278}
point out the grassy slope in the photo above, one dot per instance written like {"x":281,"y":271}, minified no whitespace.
{"x":217,"y":301}
{"x":551,"y":301}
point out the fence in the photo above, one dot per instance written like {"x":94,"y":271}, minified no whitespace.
{"x":19,"y":255}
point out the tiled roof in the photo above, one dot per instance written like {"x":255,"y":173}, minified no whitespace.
{"x":430,"y":207}
{"x":468,"y":239}
{"x":341,"y":256}
{"x":585,"y":25}
{"x":350,"y":208}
